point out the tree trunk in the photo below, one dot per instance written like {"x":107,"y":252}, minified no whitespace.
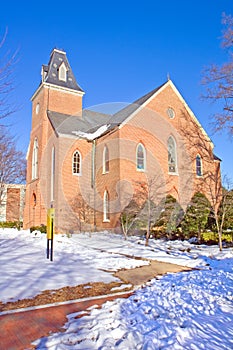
{"x":199,"y":236}
{"x":124,"y":228}
{"x":219,"y":228}
{"x":147,"y":233}
{"x":220,"y":240}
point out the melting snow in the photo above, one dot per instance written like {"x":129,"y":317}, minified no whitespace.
{"x":91,"y":136}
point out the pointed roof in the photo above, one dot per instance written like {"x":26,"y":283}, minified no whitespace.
{"x":126,"y":112}
{"x":124,"y":115}
{"x":92,"y":120}
{"x":50,"y":72}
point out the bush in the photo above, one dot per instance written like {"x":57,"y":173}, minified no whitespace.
{"x":171,"y":214}
{"x":41,"y":228}
{"x":196,"y":216}
{"x":212,"y":237}
{"x":12,"y":224}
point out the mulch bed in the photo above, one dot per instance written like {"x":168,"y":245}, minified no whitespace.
{"x":65,"y":294}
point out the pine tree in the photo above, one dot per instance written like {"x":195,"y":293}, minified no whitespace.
{"x":196,"y":216}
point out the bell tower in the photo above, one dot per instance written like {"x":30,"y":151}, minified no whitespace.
{"x":58,"y":92}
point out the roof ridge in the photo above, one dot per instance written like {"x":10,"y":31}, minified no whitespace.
{"x":149,"y":94}
{"x":125,"y":112}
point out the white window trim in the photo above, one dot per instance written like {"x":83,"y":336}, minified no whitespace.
{"x":104,"y":160}
{"x":176,"y":161}
{"x":62,"y":72}
{"x":144,"y":158}
{"x":52,"y":174}
{"x":35,"y":159}
{"x":173,"y":174}
{"x":106,"y":207}
{"x":37,"y":108}
{"x":80,"y":164}
{"x":198,"y":176}
{"x":171,"y":113}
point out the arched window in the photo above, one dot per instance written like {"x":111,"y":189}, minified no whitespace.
{"x":77,"y":163}
{"x":33,"y":200}
{"x":106,"y":206}
{"x":198,"y":165}
{"x":105,"y":160}
{"x":62,"y":72}
{"x":35,"y":160}
{"x":141,"y":157}
{"x":52,"y":173}
{"x":172,"y":156}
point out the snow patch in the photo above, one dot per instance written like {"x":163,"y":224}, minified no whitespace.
{"x":91,"y":136}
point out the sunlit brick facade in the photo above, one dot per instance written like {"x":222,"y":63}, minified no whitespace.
{"x":87,"y":164}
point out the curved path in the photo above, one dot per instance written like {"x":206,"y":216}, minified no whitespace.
{"x":19,"y":328}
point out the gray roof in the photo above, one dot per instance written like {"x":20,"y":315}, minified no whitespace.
{"x":50,"y":71}
{"x":90,"y":121}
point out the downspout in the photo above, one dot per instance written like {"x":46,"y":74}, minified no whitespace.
{"x":93,"y":185}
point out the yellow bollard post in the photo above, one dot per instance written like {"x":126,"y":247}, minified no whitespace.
{"x":50,"y":227}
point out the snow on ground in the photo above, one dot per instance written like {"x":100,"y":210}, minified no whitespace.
{"x":189,"y":310}
{"x":83,"y":258}
{"x":178,"y":311}
{"x":26,"y":271}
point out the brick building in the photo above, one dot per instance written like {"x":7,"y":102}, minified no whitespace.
{"x":87,"y":164}
{"x":12,"y":202}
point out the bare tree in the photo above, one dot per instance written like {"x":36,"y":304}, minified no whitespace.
{"x":209,"y":180}
{"x":151,"y":194}
{"x":129,"y":216}
{"x":143,"y":207}
{"x":7,"y":62}
{"x":219,"y":80}
{"x":83,"y":213}
{"x":222,"y":203}
{"x":12,"y":162}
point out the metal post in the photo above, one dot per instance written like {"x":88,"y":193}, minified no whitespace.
{"x":51,"y":253}
{"x":47,"y":248}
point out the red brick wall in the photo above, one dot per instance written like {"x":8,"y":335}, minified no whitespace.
{"x":64,"y":102}
{"x":13,"y":204}
{"x":49,"y":99}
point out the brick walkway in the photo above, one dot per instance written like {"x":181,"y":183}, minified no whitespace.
{"x":19,"y":329}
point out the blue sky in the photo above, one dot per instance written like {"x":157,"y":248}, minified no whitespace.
{"x":118,"y":51}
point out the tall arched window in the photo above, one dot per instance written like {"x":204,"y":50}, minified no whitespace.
{"x":77,"y":163}
{"x":35,"y":160}
{"x":198,"y":165}
{"x":105,"y":160}
{"x":141,"y":157}
{"x":52,"y":173}
{"x":33,"y":200}
{"x":106,"y":206}
{"x":172,"y":156}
